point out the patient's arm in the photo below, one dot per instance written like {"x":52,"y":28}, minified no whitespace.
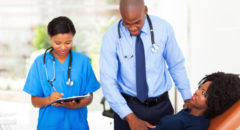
{"x":183,"y":120}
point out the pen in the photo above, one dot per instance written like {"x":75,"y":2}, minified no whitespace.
{"x":52,"y":86}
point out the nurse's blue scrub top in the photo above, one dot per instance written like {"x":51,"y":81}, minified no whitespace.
{"x":61,"y":118}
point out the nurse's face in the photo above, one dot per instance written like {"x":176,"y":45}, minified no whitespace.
{"x":134,"y":20}
{"x":200,"y":97}
{"x":62,"y":43}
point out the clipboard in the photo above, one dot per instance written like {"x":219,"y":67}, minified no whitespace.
{"x":69,"y":99}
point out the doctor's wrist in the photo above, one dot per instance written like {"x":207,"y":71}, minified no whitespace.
{"x":130,"y":117}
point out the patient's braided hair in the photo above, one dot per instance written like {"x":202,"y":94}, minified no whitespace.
{"x":222,"y":93}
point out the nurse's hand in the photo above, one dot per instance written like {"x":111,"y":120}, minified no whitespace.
{"x":45,"y":101}
{"x":55,"y":96}
{"x":73,"y":104}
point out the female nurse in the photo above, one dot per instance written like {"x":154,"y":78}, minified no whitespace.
{"x":61,"y":73}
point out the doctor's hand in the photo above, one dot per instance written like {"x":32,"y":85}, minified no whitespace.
{"x":137,"y":124}
{"x":186,"y":104}
{"x":55,"y":96}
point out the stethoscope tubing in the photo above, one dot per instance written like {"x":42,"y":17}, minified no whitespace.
{"x":69,"y":82}
{"x":154,"y":46}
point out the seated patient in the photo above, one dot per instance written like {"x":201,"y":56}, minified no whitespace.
{"x":216,"y":93}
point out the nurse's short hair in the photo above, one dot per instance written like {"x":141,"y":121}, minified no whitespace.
{"x":222,"y":93}
{"x":60,"y":25}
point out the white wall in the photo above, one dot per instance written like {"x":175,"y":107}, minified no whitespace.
{"x":215,"y":41}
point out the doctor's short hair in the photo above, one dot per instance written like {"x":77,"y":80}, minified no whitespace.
{"x":222,"y":93}
{"x":60,"y":25}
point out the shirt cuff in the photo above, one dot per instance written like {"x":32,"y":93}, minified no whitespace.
{"x":123,"y":111}
{"x":186,"y":94}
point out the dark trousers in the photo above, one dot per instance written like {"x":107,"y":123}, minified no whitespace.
{"x":151,"y":114}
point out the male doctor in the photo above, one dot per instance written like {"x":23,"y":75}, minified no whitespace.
{"x":139,"y":56}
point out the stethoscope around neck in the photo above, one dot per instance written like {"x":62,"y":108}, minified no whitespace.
{"x":154,"y":46}
{"x":69,"y":81}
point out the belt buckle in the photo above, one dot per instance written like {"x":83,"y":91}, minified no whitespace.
{"x":146,"y":103}
{"x":151,"y":102}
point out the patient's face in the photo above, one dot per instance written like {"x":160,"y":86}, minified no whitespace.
{"x":200,"y":97}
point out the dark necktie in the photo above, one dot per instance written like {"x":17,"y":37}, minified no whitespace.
{"x":141,"y":83}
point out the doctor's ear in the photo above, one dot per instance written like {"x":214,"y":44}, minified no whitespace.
{"x":146,"y":9}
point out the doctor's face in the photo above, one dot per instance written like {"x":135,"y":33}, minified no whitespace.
{"x":134,"y":20}
{"x":62,"y":43}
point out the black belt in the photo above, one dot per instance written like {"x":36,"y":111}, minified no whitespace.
{"x":148,"y":102}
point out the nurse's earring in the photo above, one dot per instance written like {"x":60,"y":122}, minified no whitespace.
{"x":69,"y":82}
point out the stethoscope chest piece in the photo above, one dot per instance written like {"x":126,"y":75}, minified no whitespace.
{"x":69,"y":82}
{"x":155,"y":48}
{"x":130,"y":56}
